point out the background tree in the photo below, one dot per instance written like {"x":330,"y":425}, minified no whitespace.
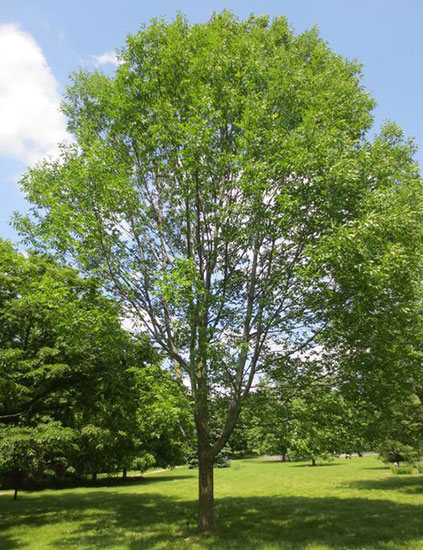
{"x":322,"y":424}
{"x":267,"y":419}
{"x":209,"y":178}
{"x":34,"y":451}
{"x":68,"y":367}
{"x":374,"y":264}
{"x":397,"y":431}
{"x":300,"y":411}
{"x":164,"y":415}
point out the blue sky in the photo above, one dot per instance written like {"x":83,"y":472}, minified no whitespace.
{"x":42,"y":41}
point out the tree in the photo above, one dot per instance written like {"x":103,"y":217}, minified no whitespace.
{"x":399,"y":434}
{"x":66,"y":367}
{"x":300,"y":411}
{"x":267,"y":418}
{"x":322,"y":425}
{"x":206,"y":183}
{"x":26,"y":451}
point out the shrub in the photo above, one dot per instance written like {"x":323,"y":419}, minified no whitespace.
{"x":402,"y":470}
{"x":143,"y":462}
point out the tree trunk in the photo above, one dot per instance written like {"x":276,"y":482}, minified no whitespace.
{"x":205,"y":454}
{"x":124,"y":473}
{"x":94,"y":477}
{"x":15,"y":480}
{"x":205,"y":492}
{"x":313,"y":462}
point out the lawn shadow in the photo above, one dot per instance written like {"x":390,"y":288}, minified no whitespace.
{"x":8,"y":543}
{"x":325,"y":464}
{"x":272,"y":461}
{"x":302,"y":523}
{"x":154,"y":479}
{"x":410,"y":484}
{"x":145,"y":521}
{"x":102,"y":482}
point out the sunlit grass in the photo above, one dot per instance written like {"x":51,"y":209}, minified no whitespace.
{"x":346,"y":505}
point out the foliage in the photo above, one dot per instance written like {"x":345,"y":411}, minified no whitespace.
{"x":268,"y":421}
{"x":399,"y":429}
{"x":301,"y":412}
{"x":392,"y":451}
{"x":142,"y":462}
{"x":322,"y":426}
{"x":69,"y":372}
{"x":37,"y":451}
{"x":164,"y":415}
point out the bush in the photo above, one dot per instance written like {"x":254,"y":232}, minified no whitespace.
{"x":143,"y":462}
{"x":402,"y":470}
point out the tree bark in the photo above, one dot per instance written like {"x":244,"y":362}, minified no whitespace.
{"x":124,"y":473}
{"x":15,"y":494}
{"x":94,"y":476}
{"x":205,"y":491}
{"x":206,"y":453}
{"x":313,"y":462}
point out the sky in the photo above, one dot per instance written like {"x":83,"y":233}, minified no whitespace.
{"x":43,"y":41}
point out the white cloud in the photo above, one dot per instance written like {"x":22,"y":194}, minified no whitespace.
{"x":106,"y":58}
{"x":31,"y":124}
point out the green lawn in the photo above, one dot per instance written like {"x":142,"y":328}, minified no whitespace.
{"x":347,"y":504}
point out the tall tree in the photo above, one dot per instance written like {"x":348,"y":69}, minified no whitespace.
{"x":204,"y":177}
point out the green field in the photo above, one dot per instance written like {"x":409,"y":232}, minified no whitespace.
{"x":260,"y":505}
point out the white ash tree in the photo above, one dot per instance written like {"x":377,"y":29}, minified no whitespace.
{"x":204,"y":176}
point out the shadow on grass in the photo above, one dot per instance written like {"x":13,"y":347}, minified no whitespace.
{"x":141,"y":521}
{"x":8,"y":543}
{"x":410,"y":484}
{"x":272,"y":461}
{"x":71,"y":484}
{"x":318,"y":465}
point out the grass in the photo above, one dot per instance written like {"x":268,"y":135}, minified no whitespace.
{"x":345,"y":505}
